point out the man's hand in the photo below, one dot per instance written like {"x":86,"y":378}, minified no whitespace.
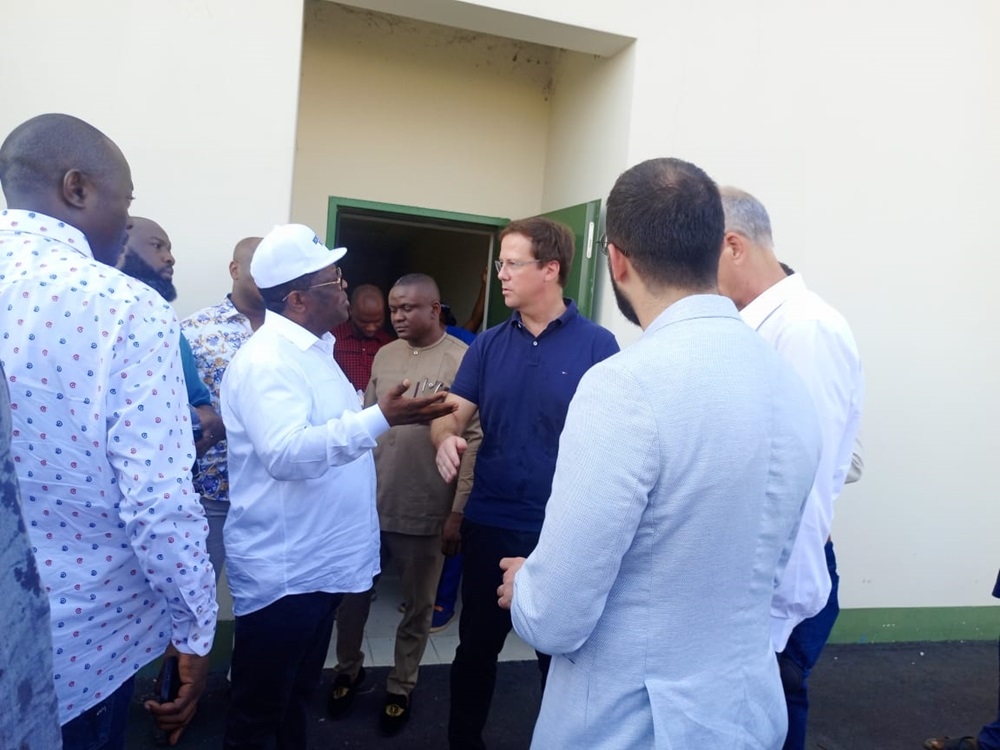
{"x":449,"y":456}
{"x":399,"y":409}
{"x":505,"y":592}
{"x":451,"y":534}
{"x":173,"y":717}
{"x":212,"y":429}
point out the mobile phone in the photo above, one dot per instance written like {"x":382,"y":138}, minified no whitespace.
{"x":168,"y":684}
{"x":169,"y":680}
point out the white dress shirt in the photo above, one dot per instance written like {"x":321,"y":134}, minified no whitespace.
{"x":301,"y":472}
{"x":817,"y":341}
{"x":102,"y":447}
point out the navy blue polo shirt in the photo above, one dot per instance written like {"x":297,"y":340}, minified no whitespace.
{"x":523,"y":386}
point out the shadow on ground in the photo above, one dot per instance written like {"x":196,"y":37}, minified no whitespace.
{"x":864,"y":697}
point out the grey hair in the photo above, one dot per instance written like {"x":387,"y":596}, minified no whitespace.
{"x":747,"y":216}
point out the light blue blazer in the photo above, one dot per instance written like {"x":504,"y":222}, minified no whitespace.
{"x":683,"y":469}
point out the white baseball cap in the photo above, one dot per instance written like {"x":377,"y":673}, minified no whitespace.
{"x":289,"y":251}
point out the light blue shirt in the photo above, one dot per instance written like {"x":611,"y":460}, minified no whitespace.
{"x":301,"y":473}
{"x":682,"y":472}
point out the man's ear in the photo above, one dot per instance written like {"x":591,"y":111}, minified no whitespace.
{"x":735,"y":244}
{"x":234,"y":269}
{"x":76,"y":188}
{"x":618,"y":263}
{"x":296,"y":300}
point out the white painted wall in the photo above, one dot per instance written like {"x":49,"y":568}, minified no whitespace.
{"x":406,"y":112}
{"x":867,"y":128}
{"x":201,"y":97}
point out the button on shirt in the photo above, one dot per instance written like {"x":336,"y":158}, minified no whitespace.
{"x":215,"y":334}
{"x":102,"y":447}
{"x":523,"y":386}
{"x":817,"y":341}
{"x":301,"y":474}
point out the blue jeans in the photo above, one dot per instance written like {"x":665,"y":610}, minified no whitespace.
{"x":451,"y":577}
{"x":101,"y":727}
{"x":278,"y":656}
{"x":800,"y":656}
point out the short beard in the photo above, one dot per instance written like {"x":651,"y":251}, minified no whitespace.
{"x":623,"y":303}
{"x":137,"y":268}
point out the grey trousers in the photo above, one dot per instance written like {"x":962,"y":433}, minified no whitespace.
{"x":418,"y":560}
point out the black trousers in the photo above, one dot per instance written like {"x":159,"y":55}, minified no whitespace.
{"x":483,"y":628}
{"x":278,"y":656}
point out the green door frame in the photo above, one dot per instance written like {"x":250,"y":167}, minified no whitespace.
{"x":583,"y":219}
{"x":336,"y":204}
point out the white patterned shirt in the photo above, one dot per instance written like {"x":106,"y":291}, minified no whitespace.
{"x":102,"y":448}
{"x":817,"y":341}
{"x":215,"y":334}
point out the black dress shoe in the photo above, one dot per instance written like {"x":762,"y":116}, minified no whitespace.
{"x":342,"y":694}
{"x":394,"y":714}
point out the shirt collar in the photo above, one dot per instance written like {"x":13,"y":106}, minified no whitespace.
{"x":295,"y":333}
{"x":569,"y":313}
{"x":429,"y":346}
{"x":764,"y":305}
{"x":691,"y":307}
{"x":32,"y":222}
{"x":228,"y":311}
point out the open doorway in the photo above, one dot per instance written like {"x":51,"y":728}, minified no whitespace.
{"x":386,"y":241}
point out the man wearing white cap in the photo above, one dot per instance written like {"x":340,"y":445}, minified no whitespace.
{"x":302,"y":529}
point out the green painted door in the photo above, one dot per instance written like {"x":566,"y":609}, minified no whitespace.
{"x":583,"y":220}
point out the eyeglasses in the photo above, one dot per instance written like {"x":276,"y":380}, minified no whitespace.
{"x":336,"y":282}
{"x":513,"y":265}
{"x":602,"y":245}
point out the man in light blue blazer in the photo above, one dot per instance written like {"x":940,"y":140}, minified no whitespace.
{"x":682,"y":473}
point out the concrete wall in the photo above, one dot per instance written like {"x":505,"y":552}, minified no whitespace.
{"x":405,"y":112}
{"x":867,"y":128}
{"x":204,"y":113}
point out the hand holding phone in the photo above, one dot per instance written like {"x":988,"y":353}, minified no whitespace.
{"x":177,"y":689}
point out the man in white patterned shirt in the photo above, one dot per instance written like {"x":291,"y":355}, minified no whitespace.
{"x":101,"y":438}
{"x":215,"y":334}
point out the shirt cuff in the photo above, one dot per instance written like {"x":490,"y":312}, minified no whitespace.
{"x":373,"y":421}
{"x":196,"y":637}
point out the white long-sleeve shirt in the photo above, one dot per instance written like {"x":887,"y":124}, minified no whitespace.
{"x":102,"y":448}
{"x":817,"y":341}
{"x":301,"y":473}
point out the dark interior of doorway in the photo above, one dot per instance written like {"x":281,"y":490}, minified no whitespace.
{"x":382,"y":246}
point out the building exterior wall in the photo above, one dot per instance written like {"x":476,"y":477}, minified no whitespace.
{"x":201,"y":98}
{"x":867,"y":129}
{"x":404,"y":112}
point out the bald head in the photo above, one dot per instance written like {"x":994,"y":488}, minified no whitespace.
{"x":244,"y":250}
{"x":425,"y":284}
{"x":148,"y":256}
{"x":245,"y":295}
{"x":367,"y":310}
{"x":65,"y":168}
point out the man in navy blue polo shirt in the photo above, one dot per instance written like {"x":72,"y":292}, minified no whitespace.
{"x":521,"y":375}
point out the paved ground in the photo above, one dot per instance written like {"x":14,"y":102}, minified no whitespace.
{"x":865,"y":697}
